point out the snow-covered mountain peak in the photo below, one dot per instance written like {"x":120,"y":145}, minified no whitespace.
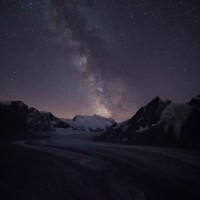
{"x":92,"y":117}
{"x":175,"y":115}
{"x":91,"y":123}
{"x":161,"y":123}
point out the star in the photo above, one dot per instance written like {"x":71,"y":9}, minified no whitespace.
{"x":115,"y":55}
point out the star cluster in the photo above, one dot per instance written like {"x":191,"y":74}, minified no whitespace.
{"x":98,"y":57}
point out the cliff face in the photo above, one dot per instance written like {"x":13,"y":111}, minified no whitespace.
{"x":16,"y":117}
{"x":161,"y":123}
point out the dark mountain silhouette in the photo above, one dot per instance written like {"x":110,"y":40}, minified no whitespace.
{"x":161,"y":123}
{"x":18,"y":120}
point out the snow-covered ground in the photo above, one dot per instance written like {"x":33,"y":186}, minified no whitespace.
{"x":133,"y":172}
{"x":175,"y":115}
{"x":88,"y":123}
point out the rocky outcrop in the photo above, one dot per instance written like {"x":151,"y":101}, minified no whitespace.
{"x":161,"y":123}
{"x":18,"y":119}
{"x":15,"y":116}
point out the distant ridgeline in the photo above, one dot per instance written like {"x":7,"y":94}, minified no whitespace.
{"x":17,"y":119}
{"x":160,"y":123}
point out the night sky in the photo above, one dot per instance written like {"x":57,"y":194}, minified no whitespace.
{"x":106,"y":57}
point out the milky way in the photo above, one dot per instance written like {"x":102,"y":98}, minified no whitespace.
{"x":98,"y":57}
{"x":74,"y":29}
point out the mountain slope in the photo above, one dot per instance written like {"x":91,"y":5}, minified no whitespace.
{"x":17,"y":119}
{"x":160,"y":123}
{"x":86,"y":123}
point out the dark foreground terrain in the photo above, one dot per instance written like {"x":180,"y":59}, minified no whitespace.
{"x":67,"y":168}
